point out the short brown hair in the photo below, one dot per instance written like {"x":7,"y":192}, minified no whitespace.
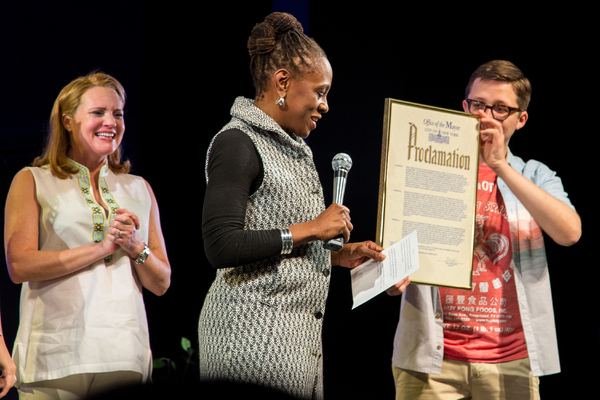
{"x":504,"y":71}
{"x":279,"y":42}
{"x":58,"y":142}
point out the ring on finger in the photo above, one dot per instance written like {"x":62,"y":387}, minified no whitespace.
{"x":118,"y":235}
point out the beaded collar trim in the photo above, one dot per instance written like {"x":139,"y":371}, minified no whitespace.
{"x":98,"y":217}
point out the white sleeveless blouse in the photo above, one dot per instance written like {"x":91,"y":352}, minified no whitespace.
{"x":93,"y":320}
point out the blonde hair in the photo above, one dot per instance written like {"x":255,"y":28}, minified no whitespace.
{"x":58,"y":143}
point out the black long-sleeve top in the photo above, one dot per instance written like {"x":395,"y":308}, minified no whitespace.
{"x":235,"y":172}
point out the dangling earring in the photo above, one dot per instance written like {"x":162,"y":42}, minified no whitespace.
{"x":280,"y":101}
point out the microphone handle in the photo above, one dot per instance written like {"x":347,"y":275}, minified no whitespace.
{"x":339,"y":187}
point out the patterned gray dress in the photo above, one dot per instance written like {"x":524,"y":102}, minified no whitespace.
{"x":261,"y":323}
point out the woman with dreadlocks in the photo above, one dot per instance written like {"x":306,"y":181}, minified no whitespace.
{"x":264,"y":221}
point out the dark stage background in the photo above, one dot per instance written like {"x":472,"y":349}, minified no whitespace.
{"x":184,"y":63}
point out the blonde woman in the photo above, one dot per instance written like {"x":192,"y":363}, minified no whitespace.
{"x":83,"y":237}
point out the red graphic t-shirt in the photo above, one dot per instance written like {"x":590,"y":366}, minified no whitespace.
{"x":484,"y":324}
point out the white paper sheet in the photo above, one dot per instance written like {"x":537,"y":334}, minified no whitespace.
{"x":374,"y":277}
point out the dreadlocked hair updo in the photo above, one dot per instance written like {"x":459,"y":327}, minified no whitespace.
{"x":280,"y":42}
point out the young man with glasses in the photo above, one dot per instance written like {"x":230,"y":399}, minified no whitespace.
{"x":495,"y":340}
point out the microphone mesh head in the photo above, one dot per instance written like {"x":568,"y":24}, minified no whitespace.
{"x":341,"y":161}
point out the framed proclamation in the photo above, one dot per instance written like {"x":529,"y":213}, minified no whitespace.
{"x":428,"y":184}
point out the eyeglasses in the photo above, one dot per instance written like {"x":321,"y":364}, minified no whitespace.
{"x":499,"y":111}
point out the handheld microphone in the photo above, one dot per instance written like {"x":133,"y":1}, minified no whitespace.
{"x":341,"y":164}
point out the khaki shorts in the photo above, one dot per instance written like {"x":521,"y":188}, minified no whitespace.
{"x":464,"y":380}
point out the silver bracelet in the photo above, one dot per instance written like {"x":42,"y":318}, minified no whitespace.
{"x":287,"y":244}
